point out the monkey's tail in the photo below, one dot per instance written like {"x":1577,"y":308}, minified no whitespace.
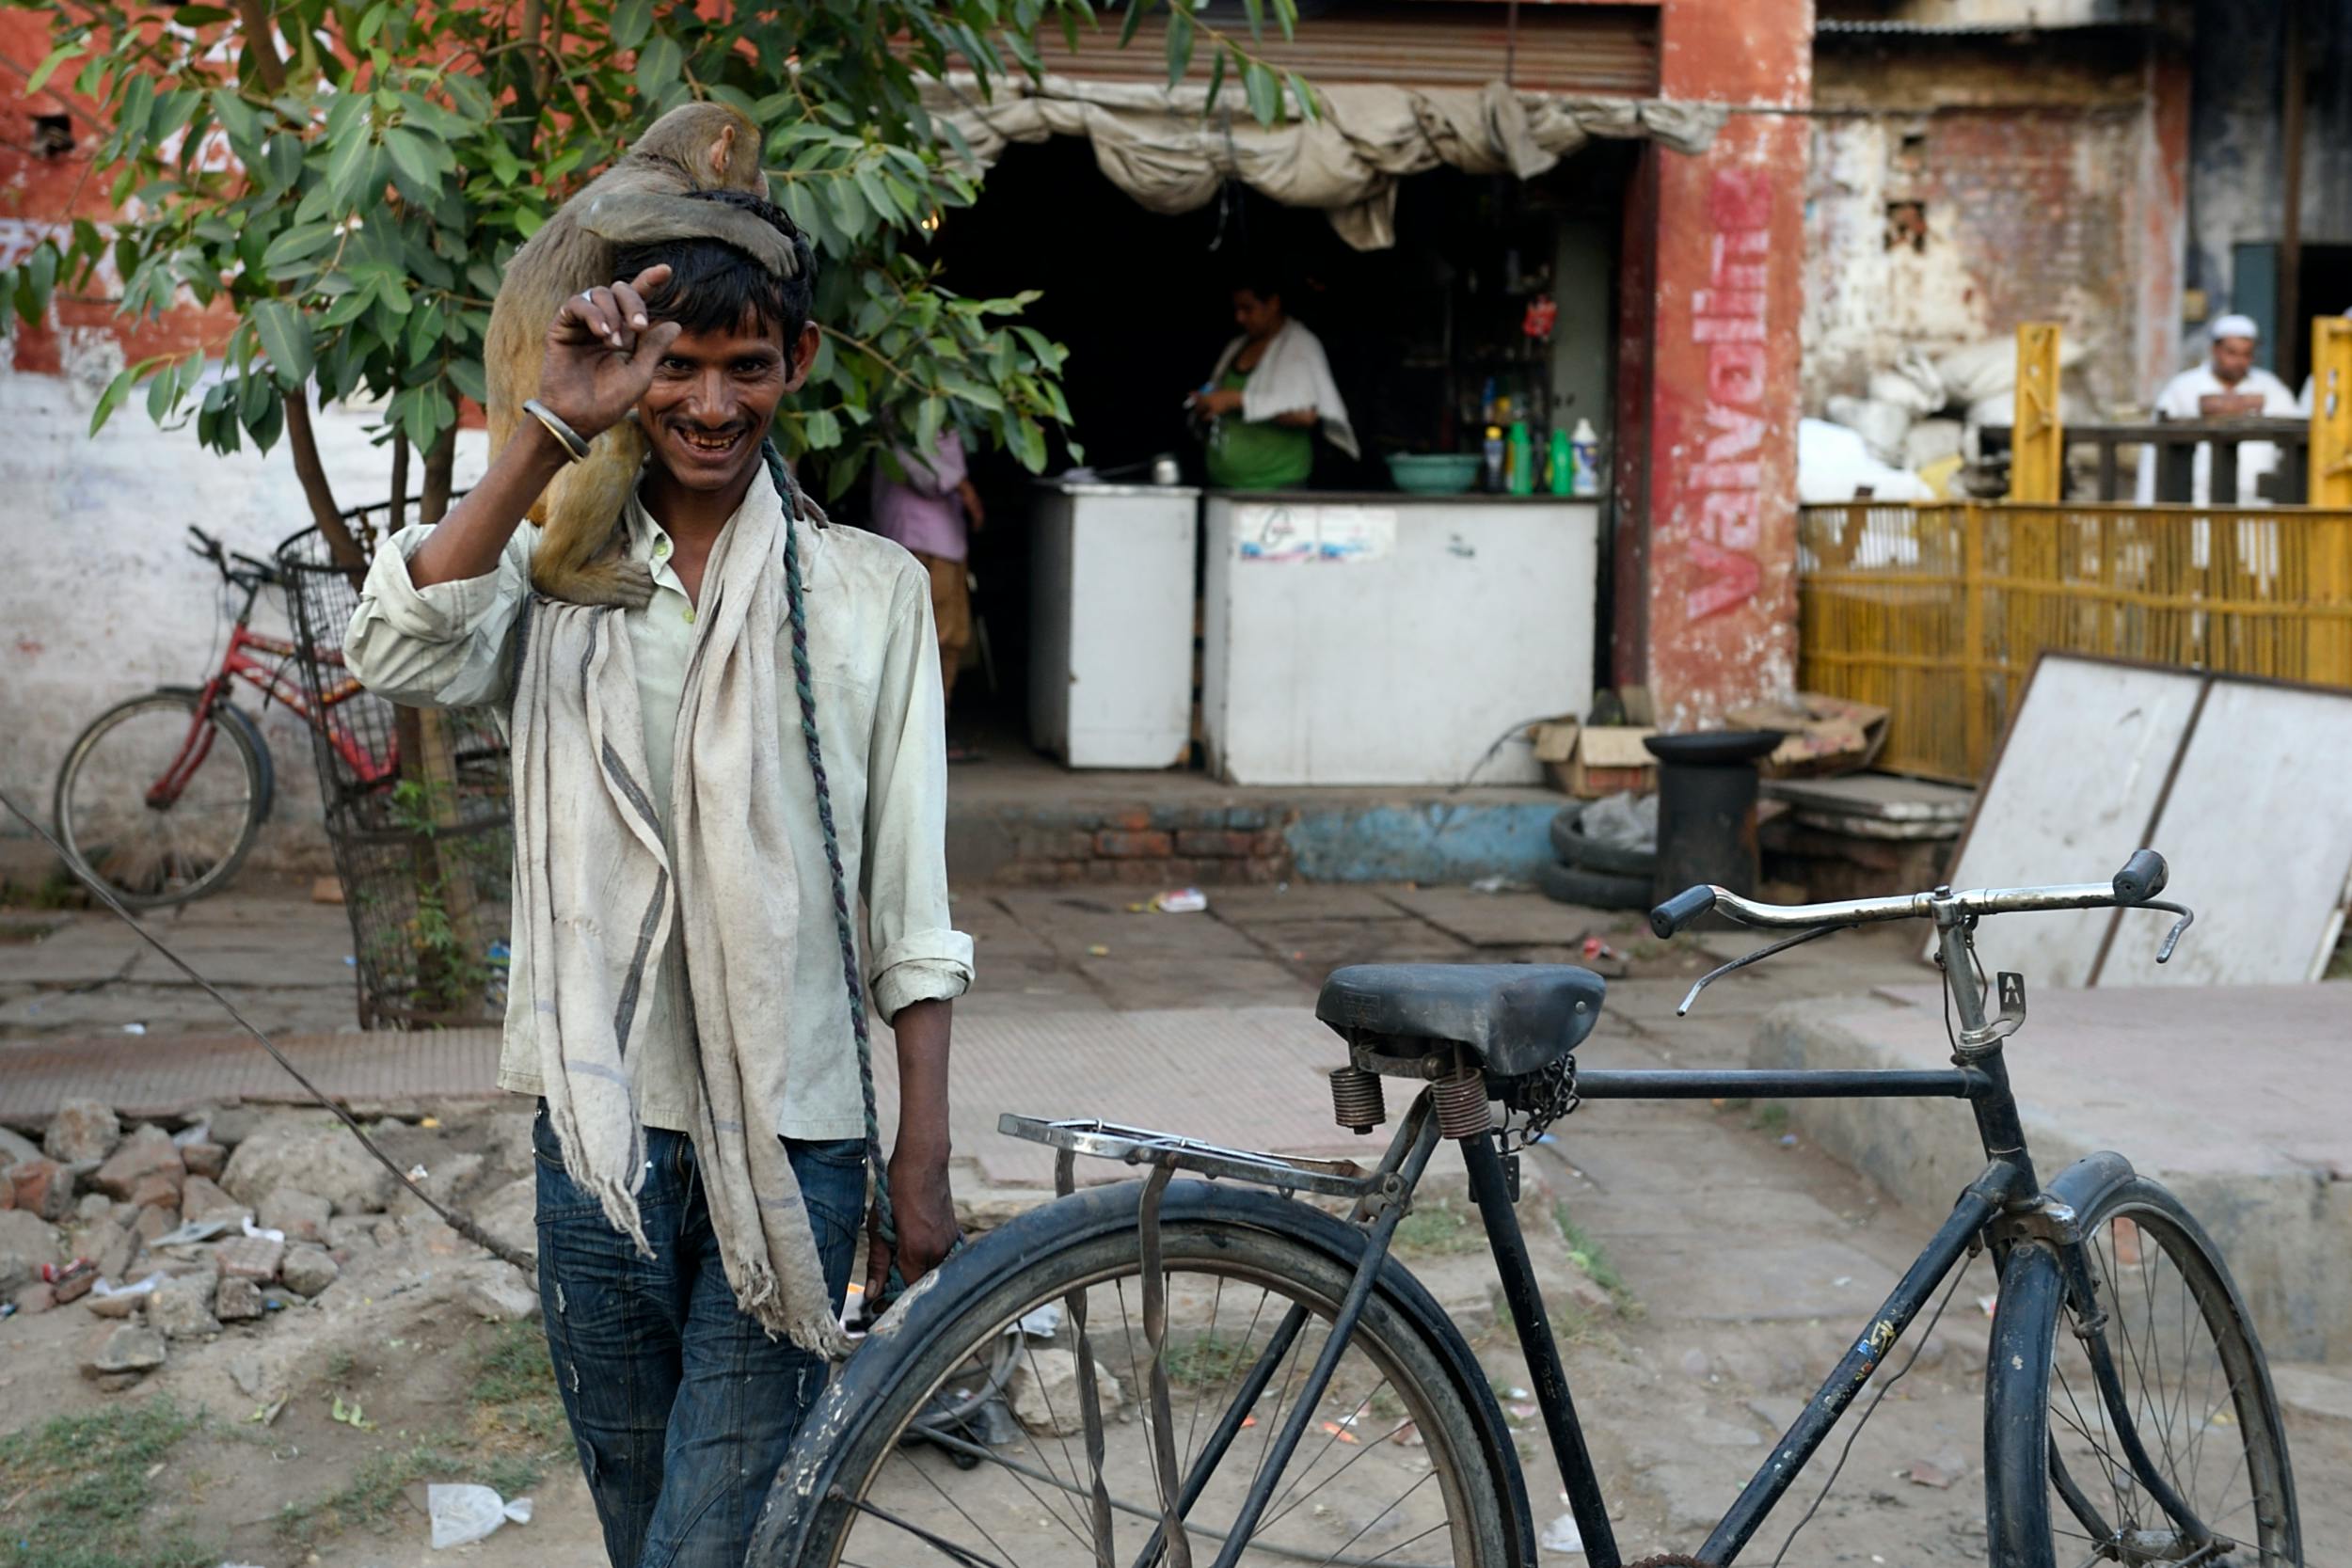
{"x":580,"y":509}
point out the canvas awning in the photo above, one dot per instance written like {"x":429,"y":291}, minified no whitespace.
{"x":1164,"y":148}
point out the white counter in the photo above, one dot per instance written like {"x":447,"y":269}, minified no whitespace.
{"x":1390,"y":638}
{"x":1111,"y":601}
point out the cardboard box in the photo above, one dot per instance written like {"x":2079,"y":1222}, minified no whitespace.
{"x":1826,"y":735}
{"x":1589,"y":761}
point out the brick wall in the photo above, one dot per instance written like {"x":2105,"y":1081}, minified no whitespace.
{"x":1157,"y":846}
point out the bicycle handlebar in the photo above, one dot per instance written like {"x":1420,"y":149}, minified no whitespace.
{"x":207,"y":546}
{"x":2141,"y":878}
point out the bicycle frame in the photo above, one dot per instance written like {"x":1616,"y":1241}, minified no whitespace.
{"x":270,"y":679}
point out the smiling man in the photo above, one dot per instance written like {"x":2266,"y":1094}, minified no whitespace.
{"x":678,"y":1002}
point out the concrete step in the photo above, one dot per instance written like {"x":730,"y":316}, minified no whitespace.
{"x":2235,"y":1097}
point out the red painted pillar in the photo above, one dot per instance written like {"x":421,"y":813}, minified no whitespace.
{"x":1708,"y":394}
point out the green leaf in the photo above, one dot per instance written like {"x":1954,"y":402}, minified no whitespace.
{"x":469,"y":379}
{"x":241,"y":119}
{"x":138,"y":106}
{"x":1179,"y":45}
{"x":926,"y":422}
{"x":1256,"y":9}
{"x":657,"y":64}
{"x":820,"y":428}
{"x":1216,"y":81}
{"x":48,"y":66}
{"x":1266,"y":93}
{"x":1135,"y":20}
{"x":162,"y":392}
{"x":372,"y":23}
{"x":849,"y":211}
{"x":1308,"y":107}
{"x":416,"y":155}
{"x":302,"y":240}
{"x":266,"y":425}
{"x":1028,"y":444}
{"x":348,"y":164}
{"x":631,"y":21}
{"x":111,"y":399}
{"x":285,"y":335}
{"x":282,"y":161}
{"x":1286,"y":12}
{"x":973,"y":393}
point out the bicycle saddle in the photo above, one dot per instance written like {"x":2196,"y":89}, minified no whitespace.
{"x":1518,"y":1018}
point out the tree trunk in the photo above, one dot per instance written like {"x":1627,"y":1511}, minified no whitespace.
{"x":397,"y":511}
{"x":341,"y":547}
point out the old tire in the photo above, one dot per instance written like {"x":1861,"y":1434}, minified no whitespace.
{"x":1576,"y":849}
{"x":1592,"y":890}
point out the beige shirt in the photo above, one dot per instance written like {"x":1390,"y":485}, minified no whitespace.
{"x":874,"y":667}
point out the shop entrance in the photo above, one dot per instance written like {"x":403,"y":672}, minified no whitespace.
{"x":1422,"y":338}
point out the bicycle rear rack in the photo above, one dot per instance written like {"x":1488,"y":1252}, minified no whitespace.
{"x":1141,"y":1146}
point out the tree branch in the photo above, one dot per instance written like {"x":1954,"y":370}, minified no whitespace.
{"x":304,"y":442}
{"x":440,"y":464}
{"x":253,"y":16}
{"x":398,"y":510}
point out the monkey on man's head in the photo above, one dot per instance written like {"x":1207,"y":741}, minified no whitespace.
{"x":641,"y":199}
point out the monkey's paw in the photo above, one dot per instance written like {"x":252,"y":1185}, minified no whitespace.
{"x":627,"y":584}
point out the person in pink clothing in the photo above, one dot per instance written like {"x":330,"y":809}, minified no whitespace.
{"x":930,"y":507}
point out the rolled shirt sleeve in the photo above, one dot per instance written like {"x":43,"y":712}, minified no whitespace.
{"x":916,"y":956}
{"x":445,"y":645}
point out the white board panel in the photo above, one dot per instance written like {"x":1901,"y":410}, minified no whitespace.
{"x":2070,"y":797}
{"x":2258,"y":832}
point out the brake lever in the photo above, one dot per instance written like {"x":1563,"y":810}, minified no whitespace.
{"x":1758,"y":956}
{"x":2173,"y":938}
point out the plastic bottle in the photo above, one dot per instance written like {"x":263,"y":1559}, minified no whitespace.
{"x":1523,"y":460}
{"x":1494,"y":458}
{"x":1587,"y":444}
{"x":1560,"y":466}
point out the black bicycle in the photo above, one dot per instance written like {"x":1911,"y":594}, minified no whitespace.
{"x":1187,"y":1372}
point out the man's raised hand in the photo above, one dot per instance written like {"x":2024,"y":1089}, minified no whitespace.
{"x":602,"y":350}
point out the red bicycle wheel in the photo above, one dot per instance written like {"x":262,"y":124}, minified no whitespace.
{"x":161,"y":806}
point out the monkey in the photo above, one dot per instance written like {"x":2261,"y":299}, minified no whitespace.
{"x":639,"y":199}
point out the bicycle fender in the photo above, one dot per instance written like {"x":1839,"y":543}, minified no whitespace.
{"x":2016,"y":1406}
{"x":244,"y":720}
{"x":810,"y":1471}
{"x":2082,"y":1185}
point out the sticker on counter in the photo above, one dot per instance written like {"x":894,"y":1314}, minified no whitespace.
{"x":1275,"y":532}
{"x":1355,"y":532}
{"x":1281,"y":533}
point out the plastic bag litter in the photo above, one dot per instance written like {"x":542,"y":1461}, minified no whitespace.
{"x":191,"y":1233}
{"x":143,"y":1288}
{"x":1880,"y":425}
{"x":264,"y":1233}
{"x":1042,"y":1322}
{"x":1562,"y":1535}
{"x":1623,"y":821}
{"x":1180,"y":900}
{"x":462,"y":1512}
{"x":1833,"y":463}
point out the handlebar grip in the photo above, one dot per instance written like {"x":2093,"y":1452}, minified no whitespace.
{"x":1677,"y":912}
{"x":2142,"y":878}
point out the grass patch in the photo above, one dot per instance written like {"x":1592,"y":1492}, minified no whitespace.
{"x":1771,"y":1117}
{"x":1439,"y":1227}
{"x":1590,"y":1256}
{"x":77,"y":1491}
{"x":513,"y":1432}
{"x":1208,"y":1360}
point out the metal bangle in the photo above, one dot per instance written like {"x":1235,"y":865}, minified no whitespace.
{"x":574,"y":444}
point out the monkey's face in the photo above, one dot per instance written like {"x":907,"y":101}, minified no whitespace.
{"x":714,"y":395}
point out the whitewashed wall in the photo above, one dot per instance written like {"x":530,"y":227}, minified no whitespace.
{"x":99,"y":597}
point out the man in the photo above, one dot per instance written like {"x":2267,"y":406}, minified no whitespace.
{"x":930,"y":505}
{"x":2230,"y":385}
{"x":1271,"y":391}
{"x":678,"y":999}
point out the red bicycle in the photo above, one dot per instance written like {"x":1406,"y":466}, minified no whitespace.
{"x":163,"y":796}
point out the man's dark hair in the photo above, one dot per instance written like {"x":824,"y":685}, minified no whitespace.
{"x":1262,"y":278}
{"x":713,"y":287}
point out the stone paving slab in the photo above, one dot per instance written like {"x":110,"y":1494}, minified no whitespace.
{"x":2237,"y":1098}
{"x":1488,"y":920}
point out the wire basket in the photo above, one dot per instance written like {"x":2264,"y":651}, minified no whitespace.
{"x":418,"y":813}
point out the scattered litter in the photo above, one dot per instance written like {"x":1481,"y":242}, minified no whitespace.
{"x":191,"y":1233}
{"x":134,"y":1028}
{"x":261,"y":1234}
{"x":1562,"y":1535}
{"x":1248,"y":1422}
{"x":8,"y":1310}
{"x":352,"y":1415}
{"x":464,"y":1514}
{"x":1925,"y":1472}
{"x":350,"y":962}
{"x":266,"y":1415}
{"x":1595,"y":948}
{"x":1341,"y":1433}
{"x":1842,"y":1281}
{"x":1408,"y":1436}
{"x":430,"y":1121}
{"x":1497,"y":884}
{"x":1182,"y":900}
{"x":1525,"y":1412}
{"x":56,"y":1273}
{"x":1519,"y":1393}
{"x":1986,"y":1303}
{"x":1042,"y":1322}
{"x":198,"y":1134}
{"x":144,"y":1286}
{"x":1098,"y":951}
{"x":1787,"y":1140}
{"x":418,"y":1173}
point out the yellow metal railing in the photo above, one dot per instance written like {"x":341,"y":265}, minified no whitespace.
{"x":1936,"y":611}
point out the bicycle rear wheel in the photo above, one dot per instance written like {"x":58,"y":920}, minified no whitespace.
{"x":160,"y":805}
{"x":1398,"y":1466}
{"x":2196,"y":1397}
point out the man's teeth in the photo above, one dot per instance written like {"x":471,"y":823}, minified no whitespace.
{"x":710,"y":443}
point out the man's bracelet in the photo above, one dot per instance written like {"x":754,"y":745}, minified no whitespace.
{"x":575,"y":445}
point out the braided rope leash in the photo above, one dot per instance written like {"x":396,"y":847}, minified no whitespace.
{"x":796,"y":600}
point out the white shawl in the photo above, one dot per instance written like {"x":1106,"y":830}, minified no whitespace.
{"x":598,"y":893}
{"x":1291,"y":375}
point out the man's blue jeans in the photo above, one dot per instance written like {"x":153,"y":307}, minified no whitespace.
{"x":683,"y":1408}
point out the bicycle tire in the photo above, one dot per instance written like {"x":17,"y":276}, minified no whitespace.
{"x":83,"y":840}
{"x":850,"y":1444}
{"x":1576,"y":847}
{"x":2059,"y":1481}
{"x":1592,"y":890}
